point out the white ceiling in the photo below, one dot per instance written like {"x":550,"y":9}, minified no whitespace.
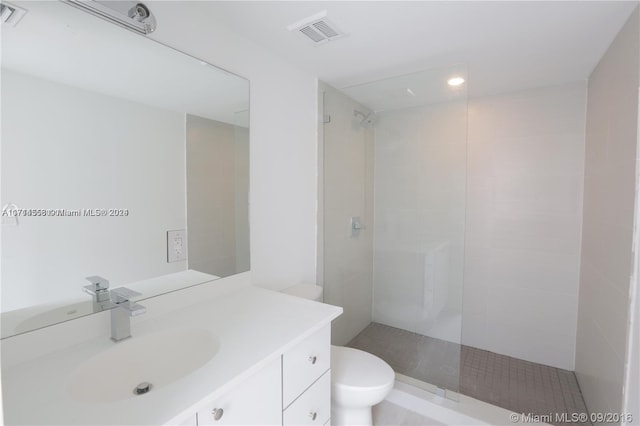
{"x":506,"y":45}
{"x":411,"y":90}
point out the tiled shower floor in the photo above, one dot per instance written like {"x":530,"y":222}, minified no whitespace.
{"x":511,"y":383}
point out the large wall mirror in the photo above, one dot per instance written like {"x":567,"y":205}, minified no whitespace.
{"x":109,"y":141}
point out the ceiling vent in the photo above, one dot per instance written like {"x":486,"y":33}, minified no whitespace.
{"x":11,"y":14}
{"x":317,"y":28}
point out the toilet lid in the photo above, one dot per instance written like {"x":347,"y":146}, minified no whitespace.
{"x":353,"y":367}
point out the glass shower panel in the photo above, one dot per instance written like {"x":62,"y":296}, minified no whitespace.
{"x":419,"y":220}
{"x":347,"y":199}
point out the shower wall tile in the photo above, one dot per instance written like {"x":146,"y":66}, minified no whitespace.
{"x":603,"y":301}
{"x":523,"y":225}
{"x":607,"y":233}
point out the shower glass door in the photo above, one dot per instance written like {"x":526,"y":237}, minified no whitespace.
{"x":418,"y":229}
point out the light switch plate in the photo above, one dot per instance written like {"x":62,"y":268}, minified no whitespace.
{"x":176,"y":245}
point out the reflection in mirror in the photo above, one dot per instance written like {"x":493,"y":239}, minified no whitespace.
{"x":217,"y":196}
{"x":109,"y":141}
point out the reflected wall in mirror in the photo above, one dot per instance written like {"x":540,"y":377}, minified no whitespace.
{"x":109,"y":141}
{"x":217,"y":196}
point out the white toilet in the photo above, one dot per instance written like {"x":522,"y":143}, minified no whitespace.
{"x":359,"y":380}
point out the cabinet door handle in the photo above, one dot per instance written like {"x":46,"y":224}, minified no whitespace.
{"x":313,"y":359}
{"x":313,"y":415}
{"x":217,"y":413}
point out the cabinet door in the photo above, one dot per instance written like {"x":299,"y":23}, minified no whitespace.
{"x":256,"y":401}
{"x":189,"y":421}
{"x":305,"y":363}
{"x":313,"y":407}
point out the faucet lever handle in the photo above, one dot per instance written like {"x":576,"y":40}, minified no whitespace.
{"x":123,"y":294}
{"x":99,"y":289}
{"x":97,"y":283}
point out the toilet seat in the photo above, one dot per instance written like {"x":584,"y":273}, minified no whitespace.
{"x":356,"y":369}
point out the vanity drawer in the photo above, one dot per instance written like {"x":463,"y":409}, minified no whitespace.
{"x":256,"y":401}
{"x":313,"y":407}
{"x":191,"y":420}
{"x":304,"y":364}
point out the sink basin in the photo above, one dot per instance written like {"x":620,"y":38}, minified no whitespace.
{"x":54,"y":316}
{"x":158,"y":359}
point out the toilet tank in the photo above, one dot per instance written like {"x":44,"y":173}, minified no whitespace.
{"x":306,"y":291}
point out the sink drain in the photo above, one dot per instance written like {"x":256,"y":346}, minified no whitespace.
{"x":142,"y":388}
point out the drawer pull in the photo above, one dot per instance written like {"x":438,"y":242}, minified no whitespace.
{"x":313,"y":415}
{"x":217,"y":413}
{"x":313,"y":359}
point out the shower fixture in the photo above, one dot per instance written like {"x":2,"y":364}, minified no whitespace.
{"x":368,"y":120}
{"x":132,"y":15}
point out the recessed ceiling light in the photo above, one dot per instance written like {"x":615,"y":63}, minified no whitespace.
{"x":455,"y":81}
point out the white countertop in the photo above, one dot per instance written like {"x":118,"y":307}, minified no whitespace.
{"x":35,"y":317}
{"x":254,"y":326}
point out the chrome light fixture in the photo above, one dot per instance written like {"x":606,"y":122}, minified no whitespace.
{"x":132,"y":15}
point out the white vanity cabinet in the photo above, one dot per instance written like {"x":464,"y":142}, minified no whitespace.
{"x":306,"y":381}
{"x":271,"y":364}
{"x":313,"y":407}
{"x":256,"y":401}
{"x":294,"y":389}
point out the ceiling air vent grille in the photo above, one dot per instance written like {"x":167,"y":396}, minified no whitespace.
{"x":312,"y":34}
{"x":317,"y":28}
{"x":11,"y":14}
{"x":325,"y":29}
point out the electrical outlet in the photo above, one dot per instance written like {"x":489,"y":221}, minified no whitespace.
{"x":176,"y":246}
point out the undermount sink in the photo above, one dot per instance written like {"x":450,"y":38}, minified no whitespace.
{"x":55,"y":315}
{"x":157,"y":359}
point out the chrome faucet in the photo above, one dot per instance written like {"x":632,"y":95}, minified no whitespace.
{"x":123,"y":309}
{"x":99,"y":289}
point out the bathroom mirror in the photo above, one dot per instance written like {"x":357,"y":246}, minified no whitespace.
{"x":111,"y":140}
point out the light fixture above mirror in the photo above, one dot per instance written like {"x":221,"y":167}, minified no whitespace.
{"x":132,"y":15}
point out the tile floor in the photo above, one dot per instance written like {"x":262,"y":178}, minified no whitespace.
{"x":511,"y":383}
{"x":387,"y":414}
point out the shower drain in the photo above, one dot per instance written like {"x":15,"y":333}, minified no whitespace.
{"x":142,"y":388}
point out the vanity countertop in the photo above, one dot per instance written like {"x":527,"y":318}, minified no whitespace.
{"x":253,"y":325}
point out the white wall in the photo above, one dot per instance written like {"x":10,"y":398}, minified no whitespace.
{"x":243,"y":227}
{"x":631,"y":402}
{"x":46,"y":258}
{"x":283,"y":158}
{"x":420,"y":175}
{"x":215,"y":165}
{"x":524,"y":209}
{"x":609,"y":200}
{"x":348,"y":191}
